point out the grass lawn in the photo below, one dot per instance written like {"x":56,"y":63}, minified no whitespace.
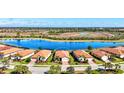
{"x":117,"y":60}
{"x":47,"y":63}
{"x":19,"y":63}
{"x":8,"y":71}
{"x":98,"y":61}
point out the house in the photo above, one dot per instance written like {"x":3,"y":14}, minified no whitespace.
{"x":81,"y":55}
{"x":9,"y":52}
{"x":62,"y":56}
{"x":23,"y":54}
{"x":42,"y":55}
{"x":120,"y":48}
{"x":4,"y":47}
{"x":116,"y":52}
{"x":101,"y":55}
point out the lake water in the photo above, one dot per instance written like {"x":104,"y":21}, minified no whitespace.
{"x":44,"y":44}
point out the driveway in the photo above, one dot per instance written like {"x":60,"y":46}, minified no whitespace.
{"x":93,"y":65}
{"x":31,"y":63}
{"x":64,"y":66}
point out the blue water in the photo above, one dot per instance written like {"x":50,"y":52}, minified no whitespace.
{"x":44,"y":44}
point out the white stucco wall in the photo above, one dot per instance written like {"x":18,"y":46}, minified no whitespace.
{"x":81,"y":59}
{"x":65,"y":59}
{"x":104,"y":58}
{"x":89,"y":59}
{"x":27,"y":56}
{"x":46,"y":57}
{"x":121,"y":56}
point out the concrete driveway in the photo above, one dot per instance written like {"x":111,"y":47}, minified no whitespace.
{"x":93,"y":65}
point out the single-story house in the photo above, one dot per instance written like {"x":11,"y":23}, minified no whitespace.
{"x":23,"y":54}
{"x":9,"y":52}
{"x":81,"y":55}
{"x":4,"y":47}
{"x":120,"y":48}
{"x":101,"y":55}
{"x":61,"y":55}
{"x":116,"y":52}
{"x":42,"y":55}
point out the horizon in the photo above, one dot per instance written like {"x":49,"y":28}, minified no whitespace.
{"x":62,"y":22}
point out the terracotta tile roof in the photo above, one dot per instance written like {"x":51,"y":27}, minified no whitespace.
{"x":99,"y":53}
{"x":25,"y":52}
{"x":79,"y":53}
{"x":113,"y":51}
{"x":61,"y":54}
{"x":4,"y":47}
{"x":11,"y":50}
{"x":120,"y":48}
{"x":43,"y":53}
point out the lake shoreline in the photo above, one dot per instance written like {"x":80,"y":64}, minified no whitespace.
{"x":36,"y":43}
{"x":122,"y":40}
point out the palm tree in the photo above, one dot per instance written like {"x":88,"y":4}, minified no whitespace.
{"x":108,"y":66}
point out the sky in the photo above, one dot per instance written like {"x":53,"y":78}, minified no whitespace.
{"x":61,"y":22}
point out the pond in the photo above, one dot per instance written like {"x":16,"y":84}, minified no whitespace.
{"x":55,"y":45}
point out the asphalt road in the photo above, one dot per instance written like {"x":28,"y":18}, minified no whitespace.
{"x":38,"y":70}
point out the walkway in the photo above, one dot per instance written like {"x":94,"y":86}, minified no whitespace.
{"x":64,"y":66}
{"x":30,"y":64}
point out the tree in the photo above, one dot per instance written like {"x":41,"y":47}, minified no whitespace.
{"x":54,"y":69}
{"x":20,"y":69}
{"x":89,"y":69}
{"x":27,"y":60}
{"x":89,"y":47}
{"x":108,"y":66}
{"x":70,"y":70}
{"x":39,"y":48}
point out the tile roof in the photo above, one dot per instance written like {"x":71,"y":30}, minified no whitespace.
{"x":120,"y":48}
{"x":43,"y":53}
{"x":113,"y":51}
{"x":4,"y":47}
{"x":99,"y":53}
{"x":11,"y":50}
{"x":79,"y":53}
{"x":25,"y":52}
{"x":61,"y":54}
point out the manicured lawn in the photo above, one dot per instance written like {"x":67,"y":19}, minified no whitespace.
{"x":8,"y":71}
{"x":116,"y":60}
{"x":98,"y":61}
{"x":19,"y":62}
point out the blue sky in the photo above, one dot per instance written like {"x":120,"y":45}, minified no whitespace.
{"x":61,"y":22}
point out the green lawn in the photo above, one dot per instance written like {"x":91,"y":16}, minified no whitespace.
{"x":19,"y":63}
{"x":98,"y":61}
{"x":117,"y":60}
{"x":8,"y":71}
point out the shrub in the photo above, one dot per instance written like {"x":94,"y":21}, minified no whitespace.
{"x":70,"y":70}
{"x":54,"y":69}
{"x":27,"y":60}
{"x":20,"y":69}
